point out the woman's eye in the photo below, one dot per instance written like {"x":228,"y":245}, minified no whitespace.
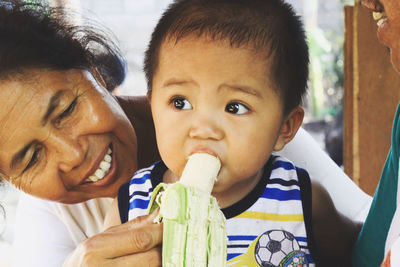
{"x":181,"y":103}
{"x":69,"y":110}
{"x":236,"y":108}
{"x":34,"y":159}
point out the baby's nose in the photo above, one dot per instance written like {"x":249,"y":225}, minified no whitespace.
{"x":206,"y":126}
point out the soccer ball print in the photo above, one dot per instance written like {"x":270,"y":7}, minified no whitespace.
{"x":277,"y":248}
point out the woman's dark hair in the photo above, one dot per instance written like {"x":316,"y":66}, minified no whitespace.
{"x":271,"y":27}
{"x":112,"y":68}
{"x":35,"y":35}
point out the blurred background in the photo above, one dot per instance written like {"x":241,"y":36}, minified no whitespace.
{"x":132,"y":21}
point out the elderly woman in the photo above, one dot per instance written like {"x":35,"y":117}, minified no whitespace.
{"x":65,"y":138}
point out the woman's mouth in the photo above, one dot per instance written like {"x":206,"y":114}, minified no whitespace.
{"x":379,"y":17}
{"x":103,"y":169}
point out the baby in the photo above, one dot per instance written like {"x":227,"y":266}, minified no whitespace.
{"x":226,"y":77}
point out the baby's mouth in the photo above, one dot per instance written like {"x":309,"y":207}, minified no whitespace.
{"x":103,"y":169}
{"x":380,"y":17}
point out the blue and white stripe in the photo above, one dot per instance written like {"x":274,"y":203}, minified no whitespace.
{"x":278,"y":208}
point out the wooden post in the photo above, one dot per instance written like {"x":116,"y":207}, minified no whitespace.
{"x":372,"y":92}
{"x":348,"y":93}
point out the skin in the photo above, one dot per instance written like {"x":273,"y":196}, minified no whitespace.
{"x":70,"y":145}
{"x":389,"y":32}
{"x":135,"y":243}
{"x":222,"y":104}
{"x":196,"y":89}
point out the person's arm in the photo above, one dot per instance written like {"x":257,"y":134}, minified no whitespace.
{"x":347,"y":197}
{"x":334,"y":233}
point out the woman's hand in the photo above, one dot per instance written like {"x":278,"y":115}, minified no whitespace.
{"x":135,"y":243}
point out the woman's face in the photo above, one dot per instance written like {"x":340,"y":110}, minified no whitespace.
{"x":63,"y":137}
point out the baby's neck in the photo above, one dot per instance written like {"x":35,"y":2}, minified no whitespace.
{"x":229,"y":196}
{"x":237,"y":191}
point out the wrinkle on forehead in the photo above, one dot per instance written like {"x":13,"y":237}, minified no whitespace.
{"x":12,"y":111}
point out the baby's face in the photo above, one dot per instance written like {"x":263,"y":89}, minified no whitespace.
{"x":209,"y":97}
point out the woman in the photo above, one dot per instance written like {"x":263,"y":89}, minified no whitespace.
{"x":64,"y":138}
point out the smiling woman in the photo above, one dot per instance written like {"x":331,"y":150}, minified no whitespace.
{"x":63,"y":136}
{"x":61,"y":148}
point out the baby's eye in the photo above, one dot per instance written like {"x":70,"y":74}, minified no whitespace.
{"x":181,"y":103}
{"x":236,"y":108}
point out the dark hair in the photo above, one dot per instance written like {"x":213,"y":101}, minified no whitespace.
{"x":112,"y":68}
{"x":35,"y":35}
{"x":269,"y":26}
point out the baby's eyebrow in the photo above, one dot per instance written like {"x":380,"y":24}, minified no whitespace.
{"x":240,"y":88}
{"x":175,"y":81}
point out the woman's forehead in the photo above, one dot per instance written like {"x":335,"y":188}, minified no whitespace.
{"x":35,"y":86}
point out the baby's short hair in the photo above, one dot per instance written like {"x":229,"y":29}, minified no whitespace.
{"x":271,"y":27}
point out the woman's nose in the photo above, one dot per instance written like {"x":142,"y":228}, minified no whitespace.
{"x":373,"y":5}
{"x":69,"y":150}
{"x":206,"y":126}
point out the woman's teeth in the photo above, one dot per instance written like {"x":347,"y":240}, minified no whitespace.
{"x":103,"y":169}
{"x":377,"y":15}
{"x":380,"y":17}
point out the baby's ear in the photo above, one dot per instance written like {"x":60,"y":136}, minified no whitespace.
{"x":289,"y":127}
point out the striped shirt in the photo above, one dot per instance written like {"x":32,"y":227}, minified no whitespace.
{"x":271,"y":225}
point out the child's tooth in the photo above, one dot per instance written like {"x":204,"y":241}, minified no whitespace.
{"x":105,"y":165}
{"x":99,"y":173}
{"x":109,"y":151}
{"x":107,"y":158}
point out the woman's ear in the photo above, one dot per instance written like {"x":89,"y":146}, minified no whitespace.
{"x":289,"y":128}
